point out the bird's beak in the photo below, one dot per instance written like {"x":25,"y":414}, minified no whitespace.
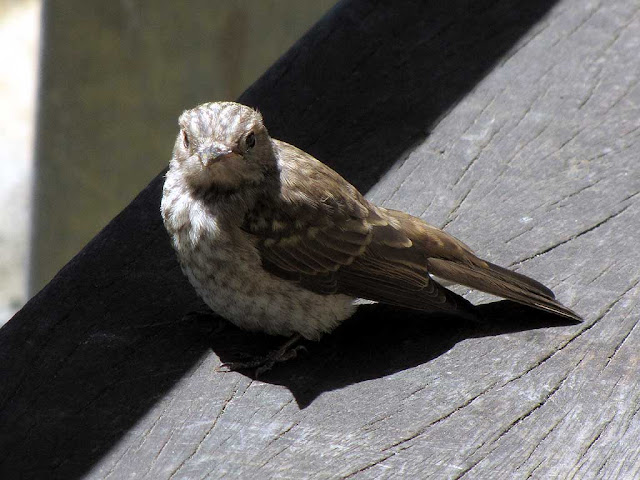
{"x":216,"y":152}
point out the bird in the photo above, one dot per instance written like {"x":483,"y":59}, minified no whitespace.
{"x":275,"y":241}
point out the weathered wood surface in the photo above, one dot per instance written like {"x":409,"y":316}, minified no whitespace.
{"x":516,"y":125}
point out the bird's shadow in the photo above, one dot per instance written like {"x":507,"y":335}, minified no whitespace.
{"x":378,"y":340}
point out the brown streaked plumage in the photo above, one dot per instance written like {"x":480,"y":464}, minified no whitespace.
{"x":335,"y":241}
{"x":275,"y":240}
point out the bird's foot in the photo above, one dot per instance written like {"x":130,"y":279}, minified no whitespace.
{"x":265,"y":363}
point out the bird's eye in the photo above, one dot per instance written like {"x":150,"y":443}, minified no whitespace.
{"x":185,"y":139}
{"x":250,"y":141}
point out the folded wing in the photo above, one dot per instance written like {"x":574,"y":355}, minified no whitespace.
{"x":327,"y":237}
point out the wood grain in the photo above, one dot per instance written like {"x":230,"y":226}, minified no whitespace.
{"x":515,"y":127}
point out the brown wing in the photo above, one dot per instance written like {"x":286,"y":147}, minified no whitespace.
{"x":448,"y":258}
{"x":316,"y":229}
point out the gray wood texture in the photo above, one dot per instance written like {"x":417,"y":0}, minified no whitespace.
{"x":515,"y":125}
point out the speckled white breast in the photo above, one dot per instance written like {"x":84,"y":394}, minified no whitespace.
{"x":224,"y":266}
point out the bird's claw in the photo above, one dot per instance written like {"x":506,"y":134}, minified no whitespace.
{"x":264,"y":363}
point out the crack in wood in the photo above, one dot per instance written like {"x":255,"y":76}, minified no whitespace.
{"x":608,"y":456}
{"x":604,"y":52}
{"x":572,"y":237}
{"x":463,"y":135}
{"x":528,"y":229}
{"x":270,"y":458}
{"x":481,"y":112}
{"x":454,"y":213}
{"x":369,"y":426}
{"x":166,"y":442}
{"x":281,"y":434}
{"x":482,"y":146}
{"x":414,"y":392}
{"x":541,"y":441}
{"x":637,"y":128}
{"x":619,"y":345}
{"x":628,"y":88}
{"x":440,"y":419}
{"x":581,"y":459}
{"x":514,"y":423}
{"x":399,"y":187}
{"x":602,"y":272}
{"x":538,"y":465}
{"x":569,"y":140}
{"x":579,"y":24}
{"x":592,"y":88}
{"x":563,"y":144}
{"x":629,"y":332}
{"x":610,"y":152}
{"x":145,"y":436}
{"x":466,"y":168}
{"x":284,"y":405}
{"x":550,"y":355}
{"x":147,"y":433}
{"x":225,"y":404}
{"x":518,"y":151}
{"x":556,"y":202}
{"x":368,"y":466}
{"x":629,"y":197}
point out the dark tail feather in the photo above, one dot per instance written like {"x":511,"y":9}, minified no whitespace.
{"x":499,"y":281}
{"x":431,"y":297}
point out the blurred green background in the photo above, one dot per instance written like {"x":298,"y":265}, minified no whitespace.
{"x":111,"y":80}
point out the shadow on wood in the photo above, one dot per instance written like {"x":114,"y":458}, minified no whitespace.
{"x":103,"y":342}
{"x":370,"y":81}
{"x":378,"y":340}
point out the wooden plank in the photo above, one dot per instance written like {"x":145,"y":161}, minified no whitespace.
{"x":516,"y":127}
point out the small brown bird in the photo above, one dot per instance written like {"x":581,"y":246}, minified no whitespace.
{"x":275,"y":241}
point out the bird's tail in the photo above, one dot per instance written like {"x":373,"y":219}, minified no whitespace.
{"x":493,"y":279}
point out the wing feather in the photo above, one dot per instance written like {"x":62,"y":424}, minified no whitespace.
{"x":327,"y":237}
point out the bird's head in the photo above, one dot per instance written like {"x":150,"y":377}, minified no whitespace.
{"x":222,"y":145}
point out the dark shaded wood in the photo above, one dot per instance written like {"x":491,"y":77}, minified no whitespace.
{"x":515,"y":126}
